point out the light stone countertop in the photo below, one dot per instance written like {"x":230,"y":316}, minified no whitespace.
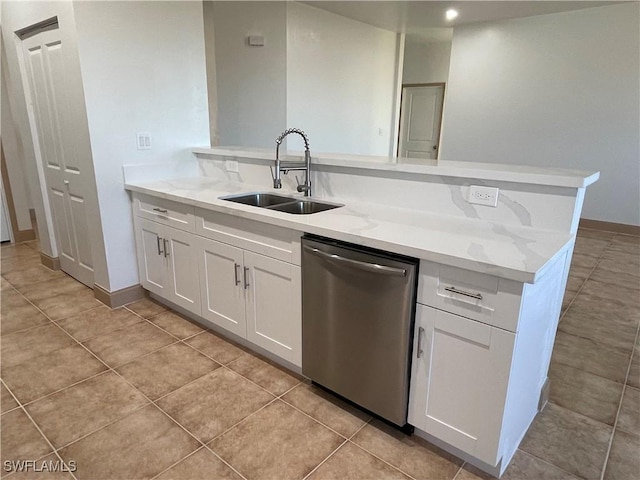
{"x":511,"y":252}
{"x":556,"y":177}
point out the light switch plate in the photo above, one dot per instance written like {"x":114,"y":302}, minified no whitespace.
{"x":143,"y":140}
{"x":483,"y":195}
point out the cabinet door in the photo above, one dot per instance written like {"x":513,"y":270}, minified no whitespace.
{"x":182,"y":264}
{"x":222,"y":285}
{"x":459,"y":381}
{"x":274,"y":311}
{"x":151,"y":260}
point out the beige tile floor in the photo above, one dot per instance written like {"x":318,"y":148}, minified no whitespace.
{"x":140,"y":392}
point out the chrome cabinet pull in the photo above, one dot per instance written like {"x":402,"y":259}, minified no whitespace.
{"x":420,"y":334}
{"x":477,"y":296}
{"x":246,"y":277}
{"x":160,"y":252}
{"x":159,"y":210}
{"x":166,"y":247}
{"x":236,"y":273}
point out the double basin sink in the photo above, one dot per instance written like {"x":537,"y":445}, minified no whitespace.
{"x":281,"y":203}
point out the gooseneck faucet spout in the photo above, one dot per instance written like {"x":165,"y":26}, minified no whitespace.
{"x":285,"y":167}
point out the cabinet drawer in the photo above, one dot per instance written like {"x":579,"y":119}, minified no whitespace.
{"x":166,"y":212}
{"x":488,"y":299}
{"x":270,"y":240}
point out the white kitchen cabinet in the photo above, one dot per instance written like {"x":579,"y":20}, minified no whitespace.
{"x":459,"y":382}
{"x":222,"y":285}
{"x":151,"y":262}
{"x":274,"y":306}
{"x":167,"y":262}
{"x":253,"y":296}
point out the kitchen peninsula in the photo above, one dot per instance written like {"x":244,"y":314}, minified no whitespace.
{"x":490,"y":279}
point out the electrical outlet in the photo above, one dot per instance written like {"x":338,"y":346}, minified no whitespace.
{"x":483,"y":195}
{"x":231,"y":166}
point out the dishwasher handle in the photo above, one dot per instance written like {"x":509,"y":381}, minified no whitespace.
{"x":369,"y":267}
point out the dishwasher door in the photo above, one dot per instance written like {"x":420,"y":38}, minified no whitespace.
{"x":357,"y":321}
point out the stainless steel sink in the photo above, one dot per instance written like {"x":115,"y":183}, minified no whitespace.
{"x":281,"y":203}
{"x":304,"y":207}
{"x":258,"y":199}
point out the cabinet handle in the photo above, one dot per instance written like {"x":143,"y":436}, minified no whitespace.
{"x":159,"y":210}
{"x":236,"y":273}
{"x":477,"y":296}
{"x":166,"y":247}
{"x":420,"y":333}
{"x":160,"y":252}
{"x":246,"y":277}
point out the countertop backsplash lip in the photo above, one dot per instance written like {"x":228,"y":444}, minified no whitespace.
{"x":513,"y":252}
{"x":553,"y":177}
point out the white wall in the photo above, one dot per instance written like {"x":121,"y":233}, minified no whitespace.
{"x":425,"y":62}
{"x":13,"y":152}
{"x":558,"y":90}
{"x":210,"y":55}
{"x":340,"y":81}
{"x":143,"y":68}
{"x":251,"y":81}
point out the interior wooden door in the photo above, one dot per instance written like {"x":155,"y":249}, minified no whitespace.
{"x":420,"y":118}
{"x":64,"y":171}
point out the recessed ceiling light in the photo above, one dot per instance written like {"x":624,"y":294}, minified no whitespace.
{"x":451,"y":14}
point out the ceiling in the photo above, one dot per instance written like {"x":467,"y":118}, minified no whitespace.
{"x":427,"y":18}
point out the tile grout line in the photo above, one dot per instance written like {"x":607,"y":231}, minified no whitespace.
{"x":395,"y":467}
{"x":4,"y":384}
{"x":326,"y":459}
{"x":615,"y":423}
{"x":202,"y":447}
{"x":46,"y":439}
{"x":346,"y":441}
{"x":586,"y":278}
{"x":281,"y":395}
{"x":112,"y":369}
{"x":547,"y":462}
{"x":109,"y":369}
{"x":319,"y":421}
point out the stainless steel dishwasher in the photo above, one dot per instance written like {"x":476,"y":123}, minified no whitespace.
{"x":358,"y":307}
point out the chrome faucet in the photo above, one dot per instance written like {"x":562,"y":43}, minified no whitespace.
{"x":285,"y":167}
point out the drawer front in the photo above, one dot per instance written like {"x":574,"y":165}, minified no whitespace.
{"x":166,"y":212}
{"x":270,"y":240}
{"x":488,"y":299}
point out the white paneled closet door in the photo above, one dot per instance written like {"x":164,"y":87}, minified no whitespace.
{"x":65,"y":171}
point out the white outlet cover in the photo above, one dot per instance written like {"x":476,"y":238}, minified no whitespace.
{"x":480,"y":195}
{"x":231,"y":166}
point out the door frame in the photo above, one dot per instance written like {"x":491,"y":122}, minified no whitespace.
{"x":399,"y":123}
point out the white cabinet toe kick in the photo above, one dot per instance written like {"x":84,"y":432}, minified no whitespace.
{"x":482,"y":344}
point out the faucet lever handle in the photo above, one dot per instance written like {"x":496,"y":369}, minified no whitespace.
{"x":302,"y":187}
{"x":277,"y":183}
